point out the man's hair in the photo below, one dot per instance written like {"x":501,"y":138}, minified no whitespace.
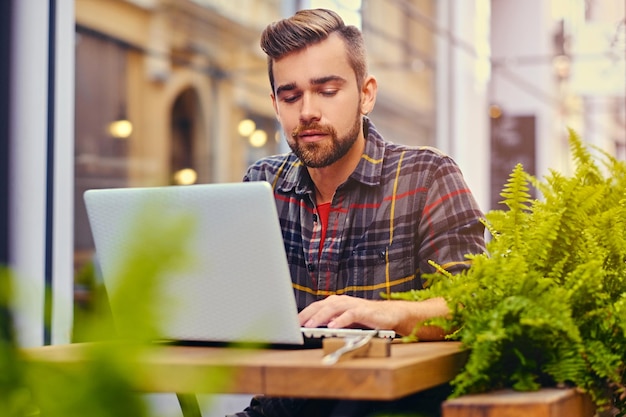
{"x":308,"y":27}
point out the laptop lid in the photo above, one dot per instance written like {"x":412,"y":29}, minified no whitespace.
{"x":236,"y":285}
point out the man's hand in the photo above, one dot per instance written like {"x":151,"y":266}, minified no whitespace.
{"x":343,"y":311}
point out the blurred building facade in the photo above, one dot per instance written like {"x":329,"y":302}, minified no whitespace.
{"x":555,"y":65}
{"x":491,"y":83}
{"x":190,"y":81}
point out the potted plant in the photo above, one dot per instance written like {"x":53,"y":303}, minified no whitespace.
{"x":546,"y":304}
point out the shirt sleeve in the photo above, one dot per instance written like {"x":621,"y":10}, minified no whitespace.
{"x":450,"y":227}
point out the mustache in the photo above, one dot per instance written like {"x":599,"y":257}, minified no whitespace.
{"x":311,"y":126}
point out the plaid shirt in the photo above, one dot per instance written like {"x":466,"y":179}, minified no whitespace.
{"x":401,"y":207}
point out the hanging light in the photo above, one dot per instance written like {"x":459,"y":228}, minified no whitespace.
{"x":258,"y":138}
{"x":562,"y":66}
{"x":185,"y":176}
{"x":495,"y":111}
{"x":121,"y":128}
{"x":246,"y":127}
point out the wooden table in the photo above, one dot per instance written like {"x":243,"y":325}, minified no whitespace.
{"x":412,"y":367}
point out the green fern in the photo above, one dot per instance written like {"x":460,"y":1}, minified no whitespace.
{"x":546,"y":304}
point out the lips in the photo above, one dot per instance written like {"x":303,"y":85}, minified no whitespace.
{"x":312,"y":132}
{"x":312,"y":135}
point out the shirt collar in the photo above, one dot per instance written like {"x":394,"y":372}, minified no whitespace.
{"x":368,"y":171}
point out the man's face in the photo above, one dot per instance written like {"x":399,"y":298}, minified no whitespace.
{"x":318,"y":102}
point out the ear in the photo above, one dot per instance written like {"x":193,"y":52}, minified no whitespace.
{"x":368,"y":94}
{"x":273,"y":97}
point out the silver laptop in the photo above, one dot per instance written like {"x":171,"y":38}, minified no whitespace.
{"x":233,"y":284}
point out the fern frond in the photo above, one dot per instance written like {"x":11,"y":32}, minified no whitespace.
{"x":510,"y":224}
{"x":515,"y":192}
{"x":583,"y":157}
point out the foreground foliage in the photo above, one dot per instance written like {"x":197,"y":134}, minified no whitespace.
{"x":105,"y":386}
{"x":546,"y":305}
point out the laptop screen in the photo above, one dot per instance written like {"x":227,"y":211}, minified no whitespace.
{"x":234,"y":285}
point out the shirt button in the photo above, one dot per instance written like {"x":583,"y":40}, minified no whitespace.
{"x":382,"y":254}
{"x":310,"y":267}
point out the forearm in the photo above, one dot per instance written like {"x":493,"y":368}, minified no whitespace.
{"x":411,"y":313}
{"x":340,"y":311}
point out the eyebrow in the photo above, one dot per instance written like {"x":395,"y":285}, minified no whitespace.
{"x":314,"y":81}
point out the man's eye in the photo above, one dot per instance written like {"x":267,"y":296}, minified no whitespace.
{"x":291,"y":98}
{"x":328,"y":93}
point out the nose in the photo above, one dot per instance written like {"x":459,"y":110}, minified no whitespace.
{"x":310,"y":110}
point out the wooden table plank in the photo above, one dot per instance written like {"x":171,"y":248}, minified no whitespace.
{"x":412,"y":367}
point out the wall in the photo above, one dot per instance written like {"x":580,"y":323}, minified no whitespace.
{"x":462,"y":122}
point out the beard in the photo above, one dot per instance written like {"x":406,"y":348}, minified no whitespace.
{"x":320,"y":155}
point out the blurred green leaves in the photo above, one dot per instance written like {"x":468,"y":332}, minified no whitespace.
{"x":102,"y":386}
{"x":140,"y":295}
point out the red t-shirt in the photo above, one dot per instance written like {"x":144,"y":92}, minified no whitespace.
{"x":323,"y":210}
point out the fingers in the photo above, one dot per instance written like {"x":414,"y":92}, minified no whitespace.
{"x":343,"y":311}
{"x":346,"y":319}
{"x":337,"y":311}
{"x":319,"y":313}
